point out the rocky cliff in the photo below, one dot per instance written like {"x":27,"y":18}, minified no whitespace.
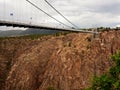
{"x":65,"y":62}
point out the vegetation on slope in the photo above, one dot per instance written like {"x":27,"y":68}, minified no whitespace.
{"x":110,"y":80}
{"x":35,"y":36}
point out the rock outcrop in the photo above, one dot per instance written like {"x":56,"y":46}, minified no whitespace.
{"x":66,"y":62}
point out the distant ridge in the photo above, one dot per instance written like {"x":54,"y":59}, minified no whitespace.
{"x":10,"y":33}
{"x":0,"y":31}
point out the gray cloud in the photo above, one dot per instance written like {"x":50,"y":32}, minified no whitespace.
{"x":84,"y":13}
{"x":110,"y":8}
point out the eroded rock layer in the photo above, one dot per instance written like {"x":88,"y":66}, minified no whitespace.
{"x":66,"y":62}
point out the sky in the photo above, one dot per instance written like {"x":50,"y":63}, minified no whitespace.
{"x":83,"y":13}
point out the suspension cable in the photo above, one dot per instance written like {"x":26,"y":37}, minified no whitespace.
{"x":46,"y":13}
{"x":60,"y":13}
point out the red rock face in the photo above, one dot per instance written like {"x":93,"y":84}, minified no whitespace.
{"x":64,"y":62}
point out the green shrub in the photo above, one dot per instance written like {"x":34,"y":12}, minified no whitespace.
{"x":110,"y":80}
{"x":50,"y":88}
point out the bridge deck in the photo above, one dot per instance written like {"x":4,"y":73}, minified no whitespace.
{"x":25,"y":25}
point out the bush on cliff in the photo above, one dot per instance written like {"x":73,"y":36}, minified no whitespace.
{"x":110,"y":80}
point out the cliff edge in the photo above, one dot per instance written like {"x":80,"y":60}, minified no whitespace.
{"x":65,"y":62}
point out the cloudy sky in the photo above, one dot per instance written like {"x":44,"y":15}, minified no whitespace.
{"x":83,"y":13}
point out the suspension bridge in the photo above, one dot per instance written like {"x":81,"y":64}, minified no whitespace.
{"x":69,"y":26}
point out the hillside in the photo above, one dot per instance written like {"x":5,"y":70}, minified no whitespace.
{"x":10,"y":33}
{"x":38,"y":31}
{"x":30,"y":31}
{"x":65,"y":62}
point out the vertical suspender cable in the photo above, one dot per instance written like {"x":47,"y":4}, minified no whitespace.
{"x":4,"y":8}
{"x":20,"y":11}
